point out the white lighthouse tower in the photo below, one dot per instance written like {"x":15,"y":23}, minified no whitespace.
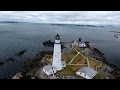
{"x":57,"y":63}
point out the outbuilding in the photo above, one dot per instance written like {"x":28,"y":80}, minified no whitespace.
{"x":82,"y":45}
{"x":86,"y":72}
{"x":49,"y":69}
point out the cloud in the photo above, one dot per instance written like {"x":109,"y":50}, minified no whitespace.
{"x":73,"y":17}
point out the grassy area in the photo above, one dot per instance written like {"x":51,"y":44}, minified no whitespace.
{"x":79,"y":60}
{"x":78,"y":49}
{"x":99,"y":76}
{"x":83,"y":53}
{"x":91,"y":58}
{"x":70,"y":71}
{"x":67,"y":56}
{"x":94,"y":64}
{"x":48,"y":58}
{"x":73,"y":52}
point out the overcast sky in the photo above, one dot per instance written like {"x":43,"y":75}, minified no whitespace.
{"x":73,"y":17}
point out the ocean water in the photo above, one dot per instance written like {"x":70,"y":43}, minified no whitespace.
{"x":15,"y":37}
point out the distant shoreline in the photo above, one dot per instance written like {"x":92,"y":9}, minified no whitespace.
{"x":88,"y":25}
{"x":114,"y":31}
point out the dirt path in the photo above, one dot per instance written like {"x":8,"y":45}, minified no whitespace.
{"x":88,"y":63}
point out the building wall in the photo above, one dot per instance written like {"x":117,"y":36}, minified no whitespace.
{"x":83,"y":75}
{"x":57,"y":41}
{"x":48,"y":73}
{"x":82,"y":45}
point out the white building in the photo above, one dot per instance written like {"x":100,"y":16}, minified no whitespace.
{"x":82,"y":45}
{"x":57,"y":63}
{"x":49,"y":69}
{"x":86,"y":72}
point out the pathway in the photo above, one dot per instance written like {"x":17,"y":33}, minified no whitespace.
{"x":98,"y":67}
{"x":76,"y":56}
{"x":76,"y":64}
{"x":73,"y":59}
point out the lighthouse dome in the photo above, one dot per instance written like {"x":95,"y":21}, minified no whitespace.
{"x":57,"y":37}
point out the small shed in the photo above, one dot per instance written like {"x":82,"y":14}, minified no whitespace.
{"x":86,"y":72}
{"x":49,"y":69}
{"x":82,"y":45}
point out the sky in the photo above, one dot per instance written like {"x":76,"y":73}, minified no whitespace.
{"x":64,"y":17}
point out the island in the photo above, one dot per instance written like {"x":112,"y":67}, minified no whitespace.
{"x":82,"y":61}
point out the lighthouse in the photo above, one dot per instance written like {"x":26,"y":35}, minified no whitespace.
{"x":57,"y":63}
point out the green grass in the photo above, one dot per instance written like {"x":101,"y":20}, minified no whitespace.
{"x":73,"y":52}
{"x":68,"y":56}
{"x":70,"y":71}
{"x":99,"y":76}
{"x":79,"y":49}
{"x":49,"y":56}
{"x":79,"y":60}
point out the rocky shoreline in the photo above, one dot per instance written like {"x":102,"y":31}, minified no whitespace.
{"x":51,"y":44}
{"x":1,"y":63}
{"x":111,"y":71}
{"x":31,"y":66}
